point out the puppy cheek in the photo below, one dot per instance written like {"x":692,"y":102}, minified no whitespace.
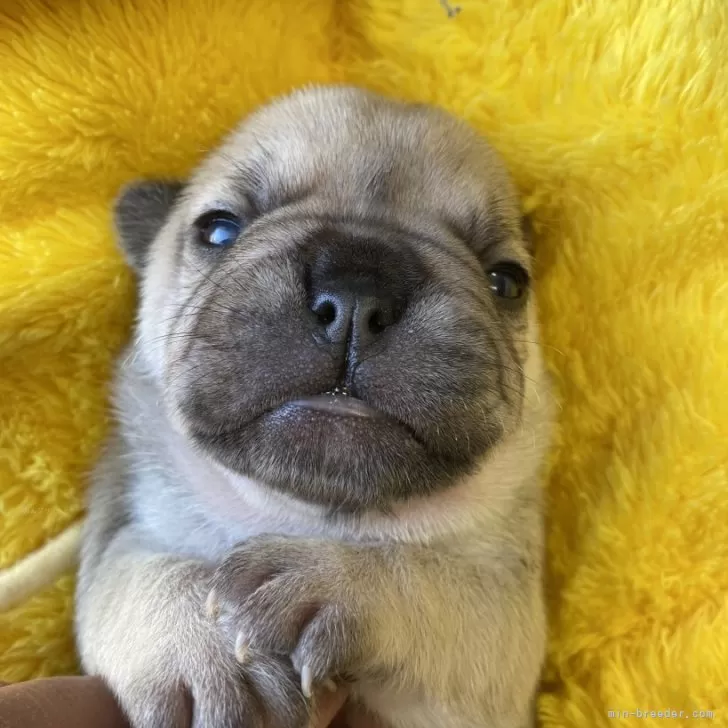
{"x":153,"y":334}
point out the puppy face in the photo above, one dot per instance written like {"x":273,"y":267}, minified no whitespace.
{"x":337,"y":304}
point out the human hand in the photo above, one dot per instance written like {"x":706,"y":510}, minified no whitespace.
{"x":329,"y":713}
{"x":328,"y":707}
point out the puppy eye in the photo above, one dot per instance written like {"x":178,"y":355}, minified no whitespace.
{"x":219,"y":229}
{"x":508,"y":280}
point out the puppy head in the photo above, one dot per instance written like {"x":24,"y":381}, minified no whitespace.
{"x":337,"y":303}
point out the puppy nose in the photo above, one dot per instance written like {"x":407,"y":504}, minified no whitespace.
{"x":357,"y":316}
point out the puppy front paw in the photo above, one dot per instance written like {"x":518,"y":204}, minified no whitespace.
{"x":293,"y":597}
{"x":215,"y":693}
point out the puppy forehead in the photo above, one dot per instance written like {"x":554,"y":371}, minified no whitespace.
{"x":345,"y":143}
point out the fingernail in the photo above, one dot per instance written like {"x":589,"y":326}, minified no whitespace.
{"x":306,"y":681}
{"x":330,"y":685}
{"x":211,"y":605}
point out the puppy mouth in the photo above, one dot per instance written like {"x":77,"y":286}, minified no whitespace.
{"x":338,"y":402}
{"x":323,"y":433}
{"x":340,"y":405}
{"x":333,"y":449}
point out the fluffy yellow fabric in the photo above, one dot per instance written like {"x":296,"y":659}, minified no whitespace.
{"x":612,"y":115}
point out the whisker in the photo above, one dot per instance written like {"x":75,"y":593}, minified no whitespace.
{"x":185,"y":371}
{"x":537,"y":343}
{"x":216,"y":283}
{"x":196,"y":380}
{"x":540,"y":344}
{"x":520,"y":372}
{"x":189,"y":309}
{"x":176,"y":335}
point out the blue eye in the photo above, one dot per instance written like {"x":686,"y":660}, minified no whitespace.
{"x":219,"y":229}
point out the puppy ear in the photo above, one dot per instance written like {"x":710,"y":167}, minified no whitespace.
{"x":140,"y":210}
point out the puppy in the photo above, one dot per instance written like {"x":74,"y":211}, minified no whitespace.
{"x":330,"y":428}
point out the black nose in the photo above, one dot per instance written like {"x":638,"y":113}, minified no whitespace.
{"x":356,"y":316}
{"x":358,"y":289}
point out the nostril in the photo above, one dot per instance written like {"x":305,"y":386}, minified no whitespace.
{"x":325,"y":308}
{"x":325,"y":312}
{"x":381,"y":318}
{"x":377,"y":322}
{"x":344,"y":314}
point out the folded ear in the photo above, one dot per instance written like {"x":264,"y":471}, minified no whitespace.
{"x":140,"y":211}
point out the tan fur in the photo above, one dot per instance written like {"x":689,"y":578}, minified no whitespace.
{"x":432,"y":608}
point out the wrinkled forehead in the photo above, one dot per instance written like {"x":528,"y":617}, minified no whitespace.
{"x":360,"y":154}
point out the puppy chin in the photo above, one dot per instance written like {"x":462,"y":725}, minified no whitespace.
{"x":335,"y":453}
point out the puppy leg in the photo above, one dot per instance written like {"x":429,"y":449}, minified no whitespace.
{"x":141,"y":626}
{"x":429,"y":637}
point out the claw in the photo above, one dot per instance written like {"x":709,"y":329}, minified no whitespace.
{"x":306,"y":681}
{"x":241,"y":648}
{"x":212,"y":607}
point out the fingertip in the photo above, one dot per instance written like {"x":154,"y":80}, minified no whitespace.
{"x":326,"y":706}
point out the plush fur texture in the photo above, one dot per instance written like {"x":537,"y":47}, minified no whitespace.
{"x":611,"y":116}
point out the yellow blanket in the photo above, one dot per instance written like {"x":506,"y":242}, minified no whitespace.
{"x":612,"y":115}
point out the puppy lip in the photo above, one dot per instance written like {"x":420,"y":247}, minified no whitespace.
{"x":338,"y":404}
